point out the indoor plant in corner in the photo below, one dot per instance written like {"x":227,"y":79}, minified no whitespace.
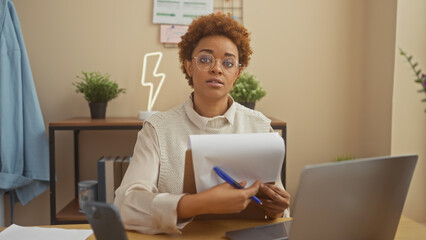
{"x":420,"y":77}
{"x":247,"y":90}
{"x":97,"y":90}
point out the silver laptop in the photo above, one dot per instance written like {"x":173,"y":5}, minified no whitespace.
{"x":356,"y":199}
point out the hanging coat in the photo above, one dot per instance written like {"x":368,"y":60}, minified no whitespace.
{"x":24,"y":155}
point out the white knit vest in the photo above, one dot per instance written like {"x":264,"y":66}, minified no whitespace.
{"x":173,"y":128}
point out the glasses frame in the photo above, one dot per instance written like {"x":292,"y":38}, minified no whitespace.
{"x":237,"y":64}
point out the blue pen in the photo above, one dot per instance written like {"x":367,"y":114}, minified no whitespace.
{"x":231,"y":181}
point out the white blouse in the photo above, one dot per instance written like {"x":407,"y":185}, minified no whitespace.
{"x":152,"y":186}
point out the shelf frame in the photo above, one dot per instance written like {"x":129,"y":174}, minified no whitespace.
{"x":76,"y":125}
{"x":65,"y":215}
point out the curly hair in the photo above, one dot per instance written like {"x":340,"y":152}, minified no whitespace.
{"x":214,"y":24}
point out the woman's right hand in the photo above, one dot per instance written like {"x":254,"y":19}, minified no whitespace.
{"x":220,"y":199}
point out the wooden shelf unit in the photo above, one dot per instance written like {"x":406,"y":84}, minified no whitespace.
{"x":70,"y":213}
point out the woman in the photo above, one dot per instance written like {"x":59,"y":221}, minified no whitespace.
{"x":213,"y":53}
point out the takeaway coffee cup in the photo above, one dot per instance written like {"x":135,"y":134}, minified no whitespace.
{"x":86,"y":192}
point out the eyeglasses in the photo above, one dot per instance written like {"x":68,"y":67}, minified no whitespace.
{"x":205,"y":62}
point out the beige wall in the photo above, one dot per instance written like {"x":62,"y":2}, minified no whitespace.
{"x":308,"y":55}
{"x":327,"y":67}
{"x":378,"y":61}
{"x":409,"y":116}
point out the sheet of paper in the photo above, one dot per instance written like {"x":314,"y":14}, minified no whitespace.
{"x":251,"y":157}
{"x":172,"y":33}
{"x":17,"y":232}
{"x":180,"y":11}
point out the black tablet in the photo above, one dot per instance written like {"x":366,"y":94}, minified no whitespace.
{"x":105,"y":221}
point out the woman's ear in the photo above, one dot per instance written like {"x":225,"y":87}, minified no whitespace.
{"x":188,"y":67}
{"x":238,"y":75}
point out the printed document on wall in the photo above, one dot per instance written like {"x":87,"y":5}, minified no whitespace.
{"x":172,"y":33}
{"x":180,"y":12}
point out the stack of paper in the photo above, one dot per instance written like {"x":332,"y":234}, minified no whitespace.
{"x":38,"y":233}
{"x":251,"y":157}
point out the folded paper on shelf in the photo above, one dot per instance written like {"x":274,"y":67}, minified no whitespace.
{"x":250,"y":157}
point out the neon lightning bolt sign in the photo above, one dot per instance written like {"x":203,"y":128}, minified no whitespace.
{"x":152,"y":97}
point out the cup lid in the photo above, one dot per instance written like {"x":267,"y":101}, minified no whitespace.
{"x":87,"y":183}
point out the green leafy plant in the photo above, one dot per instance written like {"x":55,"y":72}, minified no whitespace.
{"x":97,"y":88}
{"x":247,"y":89}
{"x":344,"y":158}
{"x":420,"y":77}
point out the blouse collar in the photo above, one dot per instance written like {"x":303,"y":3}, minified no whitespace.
{"x":215,"y":122}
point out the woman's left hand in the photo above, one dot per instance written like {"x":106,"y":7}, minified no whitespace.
{"x":274,"y":200}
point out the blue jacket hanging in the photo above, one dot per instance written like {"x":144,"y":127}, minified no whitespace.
{"x":24,"y":153}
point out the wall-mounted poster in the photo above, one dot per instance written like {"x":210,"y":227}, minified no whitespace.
{"x":180,"y":12}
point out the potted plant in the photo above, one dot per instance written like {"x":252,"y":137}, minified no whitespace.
{"x":97,"y":90}
{"x":420,"y":77}
{"x":247,"y":90}
{"x":344,"y":158}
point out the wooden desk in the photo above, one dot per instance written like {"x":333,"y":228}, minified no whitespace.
{"x":216,"y":229}
{"x":70,"y":214}
{"x":409,"y":229}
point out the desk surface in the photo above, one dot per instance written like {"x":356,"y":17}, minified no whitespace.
{"x":215,"y":229}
